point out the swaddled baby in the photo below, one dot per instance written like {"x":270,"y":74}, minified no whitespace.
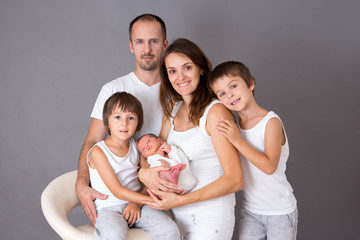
{"x":159,"y":153}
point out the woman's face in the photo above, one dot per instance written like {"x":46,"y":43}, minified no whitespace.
{"x":184,"y":75}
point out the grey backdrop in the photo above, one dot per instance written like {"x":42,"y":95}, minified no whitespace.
{"x":56,"y":55}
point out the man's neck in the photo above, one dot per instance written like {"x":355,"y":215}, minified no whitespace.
{"x":148,"y":77}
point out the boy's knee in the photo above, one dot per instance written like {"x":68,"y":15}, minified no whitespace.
{"x":114,"y":233}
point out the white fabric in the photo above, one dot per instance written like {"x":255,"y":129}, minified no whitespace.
{"x":59,"y":198}
{"x":266,"y":194}
{"x":205,"y":224}
{"x":176,"y":156}
{"x":125,"y":169}
{"x":204,"y":163}
{"x":148,"y":96}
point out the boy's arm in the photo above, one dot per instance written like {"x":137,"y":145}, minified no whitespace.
{"x":86,"y":194}
{"x":132,"y":212}
{"x":106,"y":172}
{"x":268,"y":161}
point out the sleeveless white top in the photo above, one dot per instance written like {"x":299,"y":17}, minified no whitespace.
{"x":266,"y":194}
{"x":204,"y":163}
{"x":126,"y":171}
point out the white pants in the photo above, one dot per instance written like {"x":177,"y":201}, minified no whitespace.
{"x":212,"y":223}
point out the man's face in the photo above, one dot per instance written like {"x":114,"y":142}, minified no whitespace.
{"x":147,"y":44}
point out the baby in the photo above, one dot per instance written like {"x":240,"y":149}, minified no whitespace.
{"x":159,"y":153}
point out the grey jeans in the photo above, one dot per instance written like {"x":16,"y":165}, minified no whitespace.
{"x":110,"y":224}
{"x":272,"y":227}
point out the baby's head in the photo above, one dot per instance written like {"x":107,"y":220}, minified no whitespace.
{"x":149,"y":144}
{"x":123,"y":106}
{"x":231,"y":78}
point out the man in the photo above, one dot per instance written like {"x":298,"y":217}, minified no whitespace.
{"x":147,"y":35}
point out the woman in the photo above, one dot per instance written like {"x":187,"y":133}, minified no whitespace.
{"x":190,"y":116}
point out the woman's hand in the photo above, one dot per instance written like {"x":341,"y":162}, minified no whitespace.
{"x":151,"y":178}
{"x":163,"y":200}
{"x":131,"y":213}
{"x":229,"y":130}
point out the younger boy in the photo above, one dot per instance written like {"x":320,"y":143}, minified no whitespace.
{"x":113,"y":167}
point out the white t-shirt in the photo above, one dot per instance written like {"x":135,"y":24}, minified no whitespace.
{"x":266,"y":194}
{"x":125,"y":168}
{"x":147,"y":95}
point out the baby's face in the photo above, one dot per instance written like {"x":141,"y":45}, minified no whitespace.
{"x":148,"y":145}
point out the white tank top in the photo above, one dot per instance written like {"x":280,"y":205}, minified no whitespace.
{"x":204,"y":164}
{"x":266,"y":194}
{"x":126,"y":171}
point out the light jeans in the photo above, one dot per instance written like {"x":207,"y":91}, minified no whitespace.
{"x":110,"y":224}
{"x":215,"y":223}
{"x":272,"y":227}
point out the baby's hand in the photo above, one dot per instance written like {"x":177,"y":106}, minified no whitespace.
{"x":229,"y":129}
{"x":165,"y":147}
{"x":131,"y":213}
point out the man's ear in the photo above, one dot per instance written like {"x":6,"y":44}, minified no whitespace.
{"x":131,"y":47}
{"x":166,"y":43}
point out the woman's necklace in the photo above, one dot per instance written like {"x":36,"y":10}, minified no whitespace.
{"x":188,"y":115}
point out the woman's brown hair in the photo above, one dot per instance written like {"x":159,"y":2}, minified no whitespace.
{"x":201,"y":96}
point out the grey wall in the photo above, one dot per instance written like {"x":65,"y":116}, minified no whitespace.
{"x":55,"y":56}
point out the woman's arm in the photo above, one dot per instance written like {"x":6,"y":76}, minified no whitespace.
{"x":101,"y":164}
{"x":230,"y":182}
{"x":165,"y":128}
{"x":268,"y":161}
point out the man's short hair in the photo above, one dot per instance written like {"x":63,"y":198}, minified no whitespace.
{"x":147,"y":17}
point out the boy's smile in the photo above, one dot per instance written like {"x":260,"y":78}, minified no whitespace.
{"x":233,"y":92}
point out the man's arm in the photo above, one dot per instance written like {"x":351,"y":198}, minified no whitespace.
{"x":86,"y":194}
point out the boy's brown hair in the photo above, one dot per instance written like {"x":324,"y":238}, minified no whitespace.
{"x":126,"y":102}
{"x":232,"y":68}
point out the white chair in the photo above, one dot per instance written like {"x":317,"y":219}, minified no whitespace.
{"x":59,"y":198}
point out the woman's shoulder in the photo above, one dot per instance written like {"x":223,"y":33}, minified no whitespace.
{"x":214,"y":112}
{"x":218,"y":110}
